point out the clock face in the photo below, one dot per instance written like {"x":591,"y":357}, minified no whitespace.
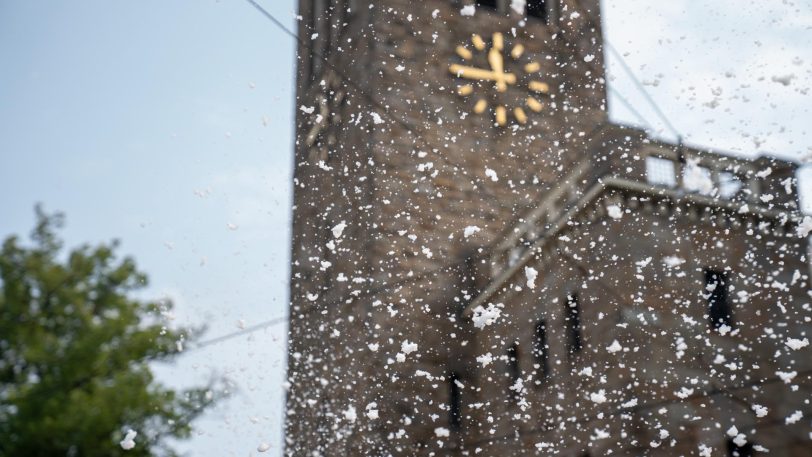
{"x":487,"y":70}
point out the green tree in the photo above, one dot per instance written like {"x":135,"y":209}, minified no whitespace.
{"x":75,"y":353}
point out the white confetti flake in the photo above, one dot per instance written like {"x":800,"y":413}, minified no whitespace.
{"x":263,"y":447}
{"x":468,"y":10}
{"x":376,"y":118}
{"x":614,"y":211}
{"x":804,"y":227}
{"x":696,"y":178}
{"x":518,"y":6}
{"x":787,"y":377}
{"x":601,"y":434}
{"x":740,"y":440}
{"x":307,"y":109}
{"x":614,"y":347}
{"x":442,"y":432}
{"x":794,"y":417}
{"x":531,"y":274}
{"x":408,"y":347}
{"x":796,"y":344}
{"x":350,"y":414}
{"x":372,"y":411}
{"x":485,"y":360}
{"x":784,"y":80}
{"x":598,"y":397}
{"x":684,"y":392}
{"x":760,"y":411}
{"x":470,"y":230}
{"x":673,"y":261}
{"x":491,"y":174}
{"x":485,"y":316}
{"x":338,"y":229}
{"x":129,"y":440}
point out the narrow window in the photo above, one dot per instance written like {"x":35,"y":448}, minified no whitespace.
{"x":513,"y":369}
{"x":540,"y":349}
{"x":467,"y":283}
{"x":492,"y":4}
{"x":327,"y":252}
{"x":537,"y":8}
{"x":729,"y":185}
{"x":573,"y":320}
{"x":319,"y":29}
{"x":734,"y":450}
{"x":660,"y":172}
{"x":454,"y":402}
{"x":718,"y":307}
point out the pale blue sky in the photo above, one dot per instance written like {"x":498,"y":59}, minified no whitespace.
{"x":168,"y":125}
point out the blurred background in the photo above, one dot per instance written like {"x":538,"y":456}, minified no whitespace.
{"x":168,"y":125}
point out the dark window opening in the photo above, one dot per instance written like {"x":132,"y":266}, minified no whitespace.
{"x":573,"y":319}
{"x":337,"y":26}
{"x":319,"y":46}
{"x":513,"y":369}
{"x":467,"y":283}
{"x":454,"y":402}
{"x":734,"y":450}
{"x":537,"y":8}
{"x":492,"y":4}
{"x":540,"y":349}
{"x":719,"y":311}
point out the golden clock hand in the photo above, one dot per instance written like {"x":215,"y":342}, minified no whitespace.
{"x":479,"y":73}
{"x":472,"y":72}
{"x":498,"y":67}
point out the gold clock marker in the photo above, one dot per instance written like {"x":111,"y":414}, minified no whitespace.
{"x":464,"y":52}
{"x":532,"y":67}
{"x":478,"y":42}
{"x":520,"y":115}
{"x":534,"y":104}
{"x":501,"y":115}
{"x":517,"y":51}
{"x":480,"y":106}
{"x":538,"y":86}
{"x":498,"y":41}
{"x":465,"y":90}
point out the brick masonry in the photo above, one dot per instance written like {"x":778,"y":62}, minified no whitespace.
{"x":389,"y":151}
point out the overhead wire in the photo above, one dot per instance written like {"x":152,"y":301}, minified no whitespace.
{"x":642,"y":90}
{"x":607,"y":44}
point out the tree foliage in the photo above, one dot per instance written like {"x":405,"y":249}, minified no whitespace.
{"x":75,"y":353}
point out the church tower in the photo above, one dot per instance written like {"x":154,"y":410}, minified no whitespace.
{"x":425,"y":129}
